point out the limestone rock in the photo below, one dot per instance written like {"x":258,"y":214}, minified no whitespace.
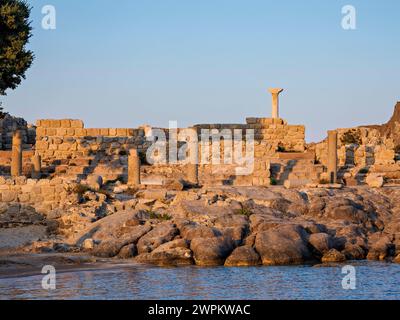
{"x":283,"y":245}
{"x":173,"y":253}
{"x":381,"y":249}
{"x":322,"y":242}
{"x":333,"y":256}
{"x":128,"y":251}
{"x":211,"y":251}
{"x":163,"y":232}
{"x":88,"y":244}
{"x":192,"y":230}
{"x":354,"y":252}
{"x":374,"y":181}
{"x":243,"y":256}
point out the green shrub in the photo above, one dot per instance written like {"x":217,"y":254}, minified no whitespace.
{"x":324,"y":181}
{"x":363,"y":171}
{"x":155,"y":215}
{"x":244,"y":211}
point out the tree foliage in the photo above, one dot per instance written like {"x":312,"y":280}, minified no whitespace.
{"x":15,"y":31}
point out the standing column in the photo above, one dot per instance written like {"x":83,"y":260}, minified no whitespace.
{"x":332,"y":156}
{"x":192,"y":171}
{"x":37,"y":166}
{"x":133,"y":168}
{"x":275,"y":101}
{"x":16,"y":154}
{"x":192,"y":167}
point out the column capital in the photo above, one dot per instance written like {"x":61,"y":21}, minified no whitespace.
{"x":275,"y":90}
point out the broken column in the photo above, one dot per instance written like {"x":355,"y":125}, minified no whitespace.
{"x":192,"y":171}
{"x":275,"y":101}
{"x":133,"y":168}
{"x":16,"y":154}
{"x":332,"y":156}
{"x":37,"y":166}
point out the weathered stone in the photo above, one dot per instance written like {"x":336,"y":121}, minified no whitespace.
{"x":243,"y":256}
{"x":333,"y":256}
{"x":211,"y":251}
{"x":174,"y":253}
{"x":283,"y":246}
{"x":162,"y":233}
{"x":375,"y":180}
{"x":16,"y":160}
{"x":322,"y":242}
{"x":133,"y":168}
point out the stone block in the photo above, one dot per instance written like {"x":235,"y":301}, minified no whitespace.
{"x":8,"y":196}
{"x":121,"y":132}
{"x":77,"y":124}
{"x":296,"y":183}
{"x":65,"y":123}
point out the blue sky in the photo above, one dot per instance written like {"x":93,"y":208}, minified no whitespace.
{"x":130,"y":62}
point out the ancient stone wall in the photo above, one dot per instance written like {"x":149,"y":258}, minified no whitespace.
{"x":62,"y":139}
{"x":360,"y":146}
{"x":65,"y":139}
{"x":44,"y":195}
{"x":8,"y":125}
{"x":5,"y":162}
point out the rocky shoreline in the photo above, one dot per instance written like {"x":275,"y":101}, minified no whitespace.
{"x":231,"y":226}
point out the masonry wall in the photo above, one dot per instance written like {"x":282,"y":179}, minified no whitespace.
{"x":62,"y":139}
{"x":360,"y":146}
{"x":8,"y":125}
{"x":43,"y":195}
{"x":69,"y":139}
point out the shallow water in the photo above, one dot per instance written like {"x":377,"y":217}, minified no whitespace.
{"x":373,"y":281}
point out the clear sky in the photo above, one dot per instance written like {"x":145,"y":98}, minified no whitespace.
{"x":130,"y":62}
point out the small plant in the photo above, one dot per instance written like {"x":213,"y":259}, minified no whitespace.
{"x":164,"y":216}
{"x":273,"y":181}
{"x":363,"y":171}
{"x":155,"y":215}
{"x":324,"y":181}
{"x":281,"y":148}
{"x":244,"y":211}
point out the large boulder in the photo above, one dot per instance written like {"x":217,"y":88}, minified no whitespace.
{"x":173,"y":253}
{"x":243,"y":257}
{"x":161,"y":233}
{"x":193,"y":230}
{"x":284,"y":245}
{"x":211,"y":251}
{"x":381,"y":249}
{"x":333,"y":256}
{"x":354,"y":252}
{"x":322,"y":242}
{"x":349,"y":212}
{"x":111,"y":247}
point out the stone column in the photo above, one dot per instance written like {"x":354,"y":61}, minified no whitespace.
{"x":192,"y":172}
{"x":332,"y":156}
{"x":16,"y":154}
{"x":275,"y":101}
{"x":133,"y":168}
{"x":192,"y":167}
{"x":37,"y":166}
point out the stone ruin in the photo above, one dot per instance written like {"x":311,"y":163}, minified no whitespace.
{"x":46,"y":155}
